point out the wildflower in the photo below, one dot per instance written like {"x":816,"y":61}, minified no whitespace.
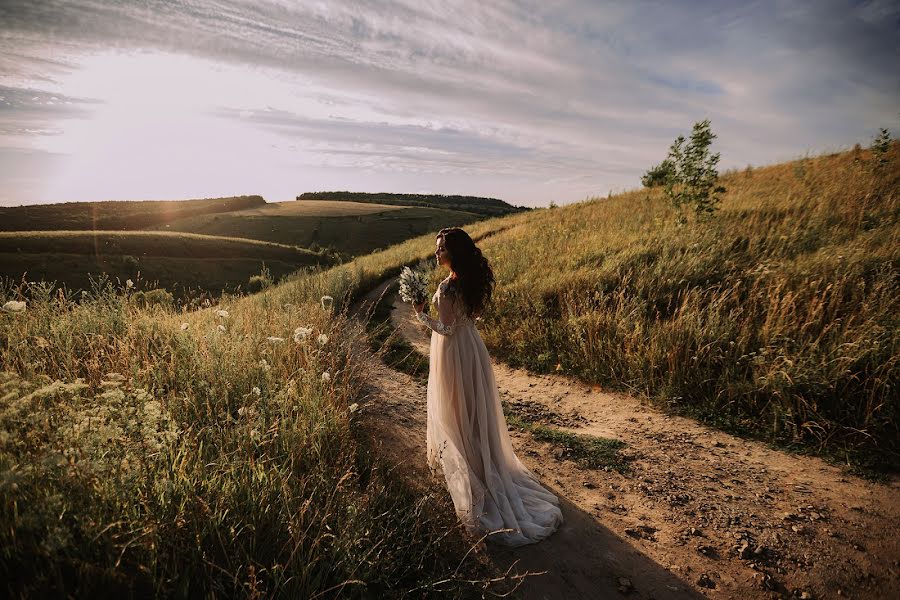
{"x":222,"y":313}
{"x":327,"y":302}
{"x":274,"y":339}
{"x":221,"y":328}
{"x":14,"y":306}
{"x":264,"y":365}
{"x":256,"y":391}
{"x":354,"y":407}
{"x":184,"y":326}
{"x":301,"y":333}
{"x":129,"y":284}
{"x":115,"y":377}
{"x":323,"y":339}
{"x":326,"y":376}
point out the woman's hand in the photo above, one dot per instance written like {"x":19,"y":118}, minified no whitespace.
{"x":419,"y":307}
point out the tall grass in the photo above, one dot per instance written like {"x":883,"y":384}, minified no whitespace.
{"x":778,"y":319}
{"x":146,"y":452}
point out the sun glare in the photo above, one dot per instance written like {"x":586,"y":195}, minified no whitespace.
{"x":154,"y":132}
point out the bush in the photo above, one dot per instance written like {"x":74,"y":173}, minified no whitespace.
{"x":658,"y":175}
{"x":154,"y":297}
{"x":258,"y":283}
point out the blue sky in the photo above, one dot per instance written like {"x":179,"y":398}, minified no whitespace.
{"x":529,"y":101}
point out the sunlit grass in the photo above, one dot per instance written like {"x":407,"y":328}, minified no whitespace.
{"x":777,"y":319}
{"x":213,"y":453}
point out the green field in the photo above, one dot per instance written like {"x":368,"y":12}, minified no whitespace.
{"x":352,"y":231}
{"x":178,"y":262}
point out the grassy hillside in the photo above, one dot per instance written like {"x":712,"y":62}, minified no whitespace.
{"x":145,"y":452}
{"x":118,"y":215}
{"x":177,"y":261}
{"x":778,"y":319}
{"x":486,"y":207}
{"x":353,"y":233}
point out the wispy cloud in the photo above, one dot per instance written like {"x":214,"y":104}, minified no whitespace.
{"x":455,"y":97}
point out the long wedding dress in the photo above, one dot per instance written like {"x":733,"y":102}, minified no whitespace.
{"x":467,"y":436}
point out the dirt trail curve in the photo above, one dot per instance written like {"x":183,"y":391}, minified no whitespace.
{"x":700,"y":514}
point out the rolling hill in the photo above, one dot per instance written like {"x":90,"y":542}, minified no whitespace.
{"x":177,"y":261}
{"x":115,"y":215}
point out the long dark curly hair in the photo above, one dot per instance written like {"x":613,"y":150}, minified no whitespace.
{"x":475,"y":277}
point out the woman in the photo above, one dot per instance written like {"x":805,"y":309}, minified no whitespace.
{"x":466,"y":435}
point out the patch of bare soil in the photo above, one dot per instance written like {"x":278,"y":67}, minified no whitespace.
{"x":700,"y":513}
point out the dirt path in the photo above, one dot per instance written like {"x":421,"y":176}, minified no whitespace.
{"x":701,"y":513}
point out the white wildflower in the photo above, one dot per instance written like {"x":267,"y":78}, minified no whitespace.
{"x":322,"y":339}
{"x":221,"y":328}
{"x":302,"y":333}
{"x":256,"y":391}
{"x":264,"y":365}
{"x":184,"y":326}
{"x":274,"y":339}
{"x":14,"y":306}
{"x":222,"y":313}
{"x":326,"y":376}
{"x":327,"y":302}
{"x":129,"y":284}
{"x":354,"y":407}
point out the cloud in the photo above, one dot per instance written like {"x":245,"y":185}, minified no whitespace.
{"x":580,"y":96}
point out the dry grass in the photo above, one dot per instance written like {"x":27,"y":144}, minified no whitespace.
{"x":145,"y":452}
{"x":778,"y":319}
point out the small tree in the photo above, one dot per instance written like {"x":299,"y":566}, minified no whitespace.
{"x":880,"y":148}
{"x":692,"y":180}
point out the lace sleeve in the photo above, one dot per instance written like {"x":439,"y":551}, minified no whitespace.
{"x":446,"y":306}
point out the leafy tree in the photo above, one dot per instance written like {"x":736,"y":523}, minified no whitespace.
{"x":691,"y":179}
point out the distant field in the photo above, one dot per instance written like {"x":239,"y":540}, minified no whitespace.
{"x":317,"y":208}
{"x":486,"y":207}
{"x":359,"y":230}
{"x":115,"y":215}
{"x":178,"y":261}
{"x":212,"y":244}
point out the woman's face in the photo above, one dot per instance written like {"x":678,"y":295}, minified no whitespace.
{"x":441,"y":254}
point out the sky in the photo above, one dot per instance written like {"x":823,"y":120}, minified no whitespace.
{"x":530,"y":101}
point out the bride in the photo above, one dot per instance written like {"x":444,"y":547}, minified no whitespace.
{"x":493,"y":492}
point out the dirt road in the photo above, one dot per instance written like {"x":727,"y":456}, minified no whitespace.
{"x":700,"y":513}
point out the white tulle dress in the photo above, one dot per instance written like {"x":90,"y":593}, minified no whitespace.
{"x":467,"y":436}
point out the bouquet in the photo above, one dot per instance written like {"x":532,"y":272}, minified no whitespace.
{"x":412,"y":286}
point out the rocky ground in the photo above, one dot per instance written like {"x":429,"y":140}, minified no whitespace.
{"x":699,"y":513}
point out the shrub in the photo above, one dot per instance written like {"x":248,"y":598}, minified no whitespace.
{"x":154,"y":297}
{"x":658,"y":175}
{"x":258,"y":283}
